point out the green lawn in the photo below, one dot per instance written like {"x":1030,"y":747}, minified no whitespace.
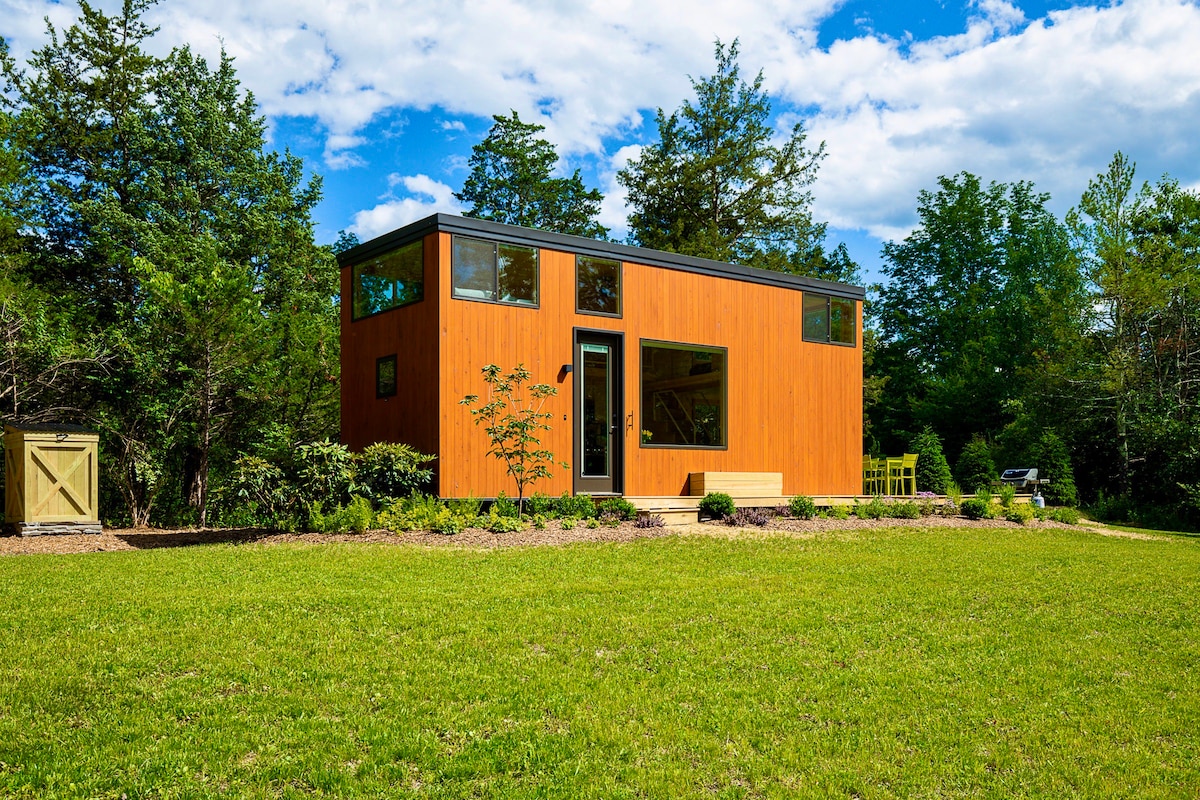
{"x":938,"y":663}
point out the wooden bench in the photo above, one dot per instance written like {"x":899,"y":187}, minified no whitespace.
{"x":736,"y":484}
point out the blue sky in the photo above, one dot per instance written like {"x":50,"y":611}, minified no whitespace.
{"x":385,"y":100}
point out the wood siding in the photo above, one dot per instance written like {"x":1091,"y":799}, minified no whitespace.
{"x":50,"y":477}
{"x":409,"y":332}
{"x":793,"y":407}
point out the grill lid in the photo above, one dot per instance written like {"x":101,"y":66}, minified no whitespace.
{"x":1022,"y":474}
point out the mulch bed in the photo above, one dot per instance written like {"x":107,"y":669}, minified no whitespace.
{"x":149,"y":538}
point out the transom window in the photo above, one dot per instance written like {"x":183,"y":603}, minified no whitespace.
{"x":597,"y":286}
{"x":392,"y":280}
{"x":684,"y":395}
{"x":500,"y":273}
{"x":829,"y":319}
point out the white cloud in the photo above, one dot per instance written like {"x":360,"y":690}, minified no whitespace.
{"x":425,"y":196}
{"x":1008,"y":98}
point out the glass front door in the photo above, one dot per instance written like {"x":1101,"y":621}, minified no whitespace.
{"x":599,"y":426}
{"x":596,"y":379}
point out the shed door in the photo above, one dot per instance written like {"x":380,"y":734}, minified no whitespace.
{"x":599,"y":429}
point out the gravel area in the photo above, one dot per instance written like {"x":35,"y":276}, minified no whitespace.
{"x":148,"y":538}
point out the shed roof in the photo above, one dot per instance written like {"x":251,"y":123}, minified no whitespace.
{"x":530,"y":237}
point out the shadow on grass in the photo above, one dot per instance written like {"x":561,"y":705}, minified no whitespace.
{"x":151,"y":539}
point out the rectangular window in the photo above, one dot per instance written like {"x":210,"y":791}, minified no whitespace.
{"x":500,"y":273}
{"x":829,"y":319}
{"x":597,"y":286}
{"x":385,"y":376}
{"x":392,"y":280}
{"x":684,"y":395}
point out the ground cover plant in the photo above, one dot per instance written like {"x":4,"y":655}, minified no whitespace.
{"x":889,"y":663}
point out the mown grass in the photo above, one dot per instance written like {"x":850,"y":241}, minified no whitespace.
{"x":938,"y":663}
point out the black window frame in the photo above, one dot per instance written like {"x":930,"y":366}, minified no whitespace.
{"x":672,"y":345}
{"x":620,"y":287}
{"x":495,"y":299}
{"x":356,"y":272}
{"x":380,"y":393}
{"x":829,"y":301}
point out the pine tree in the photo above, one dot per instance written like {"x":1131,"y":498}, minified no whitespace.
{"x":511,"y":181}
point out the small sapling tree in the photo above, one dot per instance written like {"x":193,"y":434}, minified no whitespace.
{"x":513,"y":418}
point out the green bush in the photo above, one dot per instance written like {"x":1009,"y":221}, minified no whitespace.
{"x":975,"y":467}
{"x":974,"y":508}
{"x":567,"y":523}
{"x":357,"y":516}
{"x":1008,"y":494}
{"x":1064,"y":514}
{"x":324,"y":473}
{"x":257,"y":493}
{"x":839,"y":512}
{"x":504,"y":523}
{"x":504,"y":507}
{"x":717,"y":505}
{"x":465,"y":508}
{"x":387,"y":470}
{"x":538,"y":504}
{"x":1054,"y":462}
{"x":933,"y":473}
{"x":875,"y":509}
{"x":1020,"y":513}
{"x":580,"y":506}
{"x":420,"y":513}
{"x":618,"y":508}
{"x":904,"y":509}
{"x":802,"y":507}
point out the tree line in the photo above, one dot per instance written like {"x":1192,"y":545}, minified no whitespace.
{"x":159,"y":279}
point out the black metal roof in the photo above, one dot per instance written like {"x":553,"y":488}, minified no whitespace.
{"x":449,"y":223}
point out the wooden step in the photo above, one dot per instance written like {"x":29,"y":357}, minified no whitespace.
{"x":736,"y":484}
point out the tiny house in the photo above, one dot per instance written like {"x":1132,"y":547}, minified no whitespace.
{"x":665,"y":365}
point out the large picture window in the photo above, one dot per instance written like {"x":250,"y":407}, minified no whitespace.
{"x":684,"y":395}
{"x":500,"y":273}
{"x":829,"y":319}
{"x":392,"y":280}
{"x":597,"y":286}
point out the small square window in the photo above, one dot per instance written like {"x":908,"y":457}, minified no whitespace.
{"x":828,"y":319}
{"x":597,"y":286}
{"x":385,"y":376}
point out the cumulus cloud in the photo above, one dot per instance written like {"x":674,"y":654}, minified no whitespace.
{"x":1007,"y":97}
{"x":422,"y":196}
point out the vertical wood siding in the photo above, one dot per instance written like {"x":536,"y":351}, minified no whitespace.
{"x":410,"y":332}
{"x":794,"y":407}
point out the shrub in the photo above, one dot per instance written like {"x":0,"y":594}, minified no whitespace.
{"x":954,"y":494}
{"x":1021,"y":513}
{"x":324,"y":473}
{"x":386,"y":470}
{"x":1008,"y":494}
{"x":567,"y":523}
{"x":539,"y":522}
{"x":258,"y":493}
{"x":540,"y":504}
{"x":617,"y":507}
{"x":416,"y":513}
{"x":746,"y":517}
{"x":802,"y":507}
{"x":974,"y":508}
{"x":904,"y":509}
{"x":1054,"y":462}
{"x":504,"y":524}
{"x":1065,"y":514}
{"x":357,"y":516}
{"x":465,"y":508}
{"x":875,"y":509}
{"x":593,"y":523}
{"x":503,"y":507}
{"x":580,"y":506}
{"x":925,"y":504}
{"x":650,"y":521}
{"x":839,"y":512}
{"x":717,"y":505}
{"x":933,"y":473}
{"x":975,"y":467}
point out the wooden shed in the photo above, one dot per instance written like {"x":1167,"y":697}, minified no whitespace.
{"x":666,"y":365}
{"x":51,"y":479}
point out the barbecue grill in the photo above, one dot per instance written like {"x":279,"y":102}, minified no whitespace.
{"x":1024,"y":478}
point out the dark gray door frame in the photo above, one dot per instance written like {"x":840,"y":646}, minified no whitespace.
{"x":614,"y":483}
